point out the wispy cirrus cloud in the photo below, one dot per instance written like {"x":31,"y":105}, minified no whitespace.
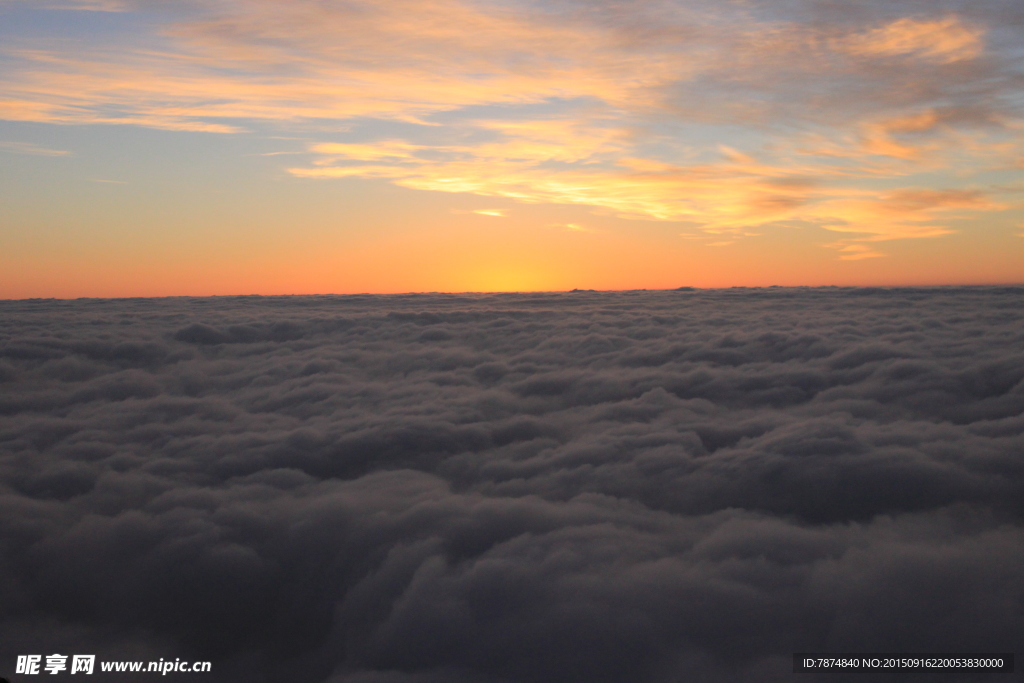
{"x":306,"y":61}
{"x":78,"y":5}
{"x":944,"y":40}
{"x":32,"y":149}
{"x":733,"y":196}
{"x":626,"y":110}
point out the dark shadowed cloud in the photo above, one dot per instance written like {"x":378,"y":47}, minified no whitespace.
{"x":632,"y":486}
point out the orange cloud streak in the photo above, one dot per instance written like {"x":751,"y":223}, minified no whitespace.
{"x":325,"y":64}
{"x":943,"y":40}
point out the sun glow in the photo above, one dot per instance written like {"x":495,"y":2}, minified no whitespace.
{"x":505,"y":277}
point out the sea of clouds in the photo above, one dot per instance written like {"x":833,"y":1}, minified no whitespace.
{"x":570,"y":487}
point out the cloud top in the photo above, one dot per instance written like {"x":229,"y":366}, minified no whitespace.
{"x":580,"y":486}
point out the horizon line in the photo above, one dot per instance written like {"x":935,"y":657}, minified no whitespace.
{"x":683,"y":288}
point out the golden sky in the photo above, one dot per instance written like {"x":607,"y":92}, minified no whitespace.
{"x":160,"y":147}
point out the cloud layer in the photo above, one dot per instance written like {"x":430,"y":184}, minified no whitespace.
{"x":646,"y":486}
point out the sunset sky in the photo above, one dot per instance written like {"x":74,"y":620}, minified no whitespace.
{"x":199,"y":147}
